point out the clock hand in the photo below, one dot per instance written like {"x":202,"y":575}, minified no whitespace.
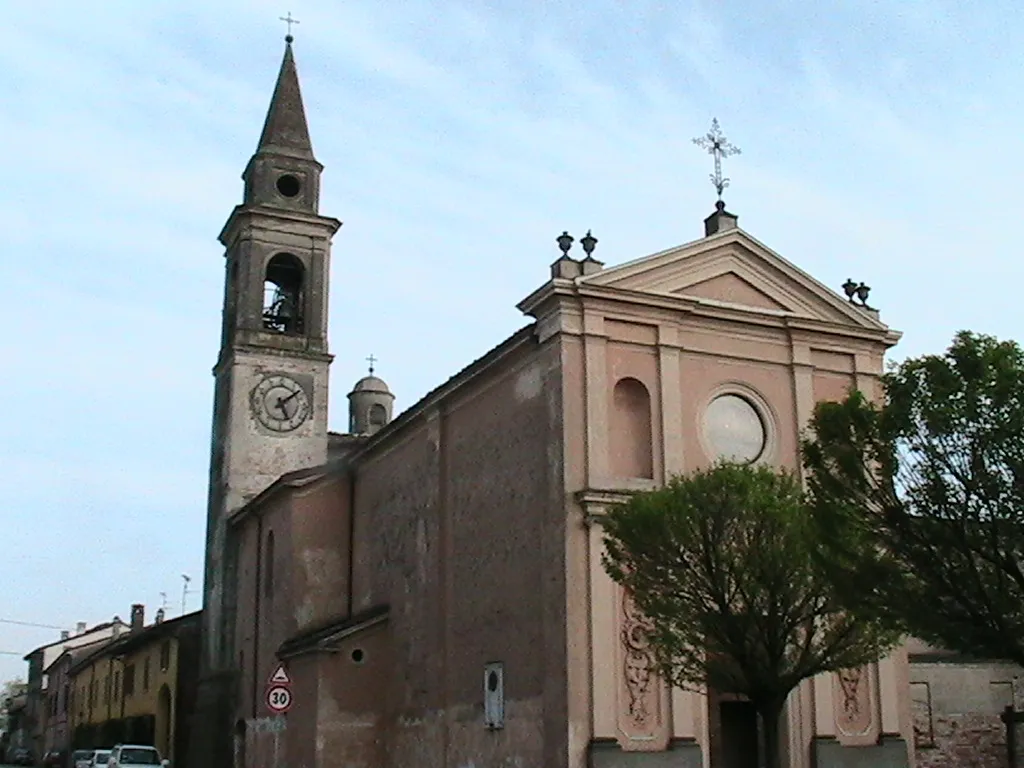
{"x":280,"y":402}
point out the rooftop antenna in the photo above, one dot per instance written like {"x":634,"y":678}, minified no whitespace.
{"x":184,"y":592}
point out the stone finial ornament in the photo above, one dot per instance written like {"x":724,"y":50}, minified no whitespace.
{"x":589,"y":242}
{"x":857,"y":292}
{"x":565,"y":241}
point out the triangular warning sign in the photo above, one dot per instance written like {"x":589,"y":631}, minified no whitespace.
{"x":280,"y":676}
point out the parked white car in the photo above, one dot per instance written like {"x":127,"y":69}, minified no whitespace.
{"x":135,"y":756}
{"x":98,"y":759}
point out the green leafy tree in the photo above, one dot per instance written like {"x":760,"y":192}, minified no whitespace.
{"x":720,"y":565}
{"x":11,"y":688}
{"x":919,"y":500}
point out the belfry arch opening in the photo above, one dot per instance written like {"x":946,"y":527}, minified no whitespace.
{"x":284,"y":294}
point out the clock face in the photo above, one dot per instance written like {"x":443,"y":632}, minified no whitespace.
{"x":280,"y":403}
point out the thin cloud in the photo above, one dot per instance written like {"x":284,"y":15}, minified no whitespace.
{"x":458,"y":141}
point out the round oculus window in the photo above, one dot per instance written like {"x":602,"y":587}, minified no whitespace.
{"x":734,"y":429}
{"x":288,"y":185}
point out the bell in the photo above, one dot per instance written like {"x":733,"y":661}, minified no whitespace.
{"x":285,"y":308}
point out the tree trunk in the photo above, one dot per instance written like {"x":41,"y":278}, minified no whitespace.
{"x":771,"y":713}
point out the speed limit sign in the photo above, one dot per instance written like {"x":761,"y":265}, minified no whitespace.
{"x":279,"y":699}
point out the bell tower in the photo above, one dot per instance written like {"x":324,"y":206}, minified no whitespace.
{"x":270,"y":400}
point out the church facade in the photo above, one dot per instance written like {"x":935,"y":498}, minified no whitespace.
{"x":427,"y":587}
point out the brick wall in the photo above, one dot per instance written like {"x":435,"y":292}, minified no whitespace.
{"x":956,"y":708}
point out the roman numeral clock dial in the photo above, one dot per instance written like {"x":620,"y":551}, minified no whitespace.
{"x":280,"y":403}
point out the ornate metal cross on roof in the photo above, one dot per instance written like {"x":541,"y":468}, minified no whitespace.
{"x":717,"y":145}
{"x":371,"y":360}
{"x":289,"y":21}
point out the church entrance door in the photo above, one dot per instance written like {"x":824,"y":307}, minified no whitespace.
{"x":738,"y":723}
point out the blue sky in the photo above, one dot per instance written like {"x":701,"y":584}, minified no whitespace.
{"x":881,"y":141}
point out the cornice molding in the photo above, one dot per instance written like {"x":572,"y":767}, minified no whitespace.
{"x":243,"y":215}
{"x":682,"y":308}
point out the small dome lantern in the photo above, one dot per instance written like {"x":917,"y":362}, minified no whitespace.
{"x":369,"y":404}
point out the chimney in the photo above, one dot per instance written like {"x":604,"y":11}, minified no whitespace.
{"x":138,"y":617}
{"x":65,"y":634}
{"x":160,"y":616}
{"x":80,"y":628}
{"x":719,"y":221}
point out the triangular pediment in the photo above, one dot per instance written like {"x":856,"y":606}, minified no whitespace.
{"x":733,"y":269}
{"x":732,"y":288}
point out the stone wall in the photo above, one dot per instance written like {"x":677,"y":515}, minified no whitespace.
{"x":956,"y":709}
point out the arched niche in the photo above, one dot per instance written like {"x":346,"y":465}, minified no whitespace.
{"x":284,"y":294}
{"x":631,"y":440}
{"x":377,"y":416}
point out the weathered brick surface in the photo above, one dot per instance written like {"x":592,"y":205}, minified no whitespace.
{"x":956,"y":708}
{"x":957,"y":741}
{"x":459,"y":529}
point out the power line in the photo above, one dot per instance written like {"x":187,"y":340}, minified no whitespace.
{"x":29,"y":624}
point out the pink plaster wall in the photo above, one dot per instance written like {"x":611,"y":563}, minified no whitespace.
{"x":634,"y":444}
{"x":319,"y":557}
{"x":703,"y":374}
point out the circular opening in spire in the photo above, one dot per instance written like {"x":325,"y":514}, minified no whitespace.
{"x":288,"y":185}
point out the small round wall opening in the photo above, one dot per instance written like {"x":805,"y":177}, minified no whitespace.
{"x":288,"y":185}
{"x":358,"y":655}
{"x":492,"y":681}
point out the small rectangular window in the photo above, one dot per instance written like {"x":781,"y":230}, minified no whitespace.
{"x":165,"y":655}
{"x":129,"y":680}
{"x":494,"y":695}
{"x":268,"y":578}
{"x":145,"y":674}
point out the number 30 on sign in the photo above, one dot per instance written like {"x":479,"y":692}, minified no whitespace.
{"x":279,"y":699}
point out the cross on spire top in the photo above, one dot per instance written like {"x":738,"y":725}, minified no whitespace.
{"x":718,"y":146}
{"x":289,"y":21}
{"x":371,"y":360}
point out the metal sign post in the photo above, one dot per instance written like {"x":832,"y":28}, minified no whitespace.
{"x":278,"y":695}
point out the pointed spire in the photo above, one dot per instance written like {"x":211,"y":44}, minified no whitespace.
{"x":285,"y":130}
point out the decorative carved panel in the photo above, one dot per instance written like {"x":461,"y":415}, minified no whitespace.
{"x":855,"y":703}
{"x":643,"y":706}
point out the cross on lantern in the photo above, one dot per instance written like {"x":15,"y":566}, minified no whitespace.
{"x":289,"y":21}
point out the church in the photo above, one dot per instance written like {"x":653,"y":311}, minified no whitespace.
{"x":426,"y":588}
